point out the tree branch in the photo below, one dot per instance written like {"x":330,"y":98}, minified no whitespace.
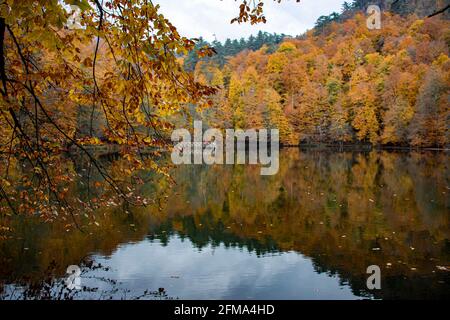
{"x":439,"y":11}
{"x":4,"y":91}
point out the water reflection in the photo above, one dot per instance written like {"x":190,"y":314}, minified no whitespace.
{"x":210,"y":273}
{"x":227,"y":232}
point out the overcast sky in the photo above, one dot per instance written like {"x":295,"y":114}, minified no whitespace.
{"x":195,"y":18}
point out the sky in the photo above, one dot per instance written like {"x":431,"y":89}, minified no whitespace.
{"x":211,"y":18}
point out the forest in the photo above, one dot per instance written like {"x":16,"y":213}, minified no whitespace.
{"x":126,"y":77}
{"x":341,"y":84}
{"x":90,"y":98}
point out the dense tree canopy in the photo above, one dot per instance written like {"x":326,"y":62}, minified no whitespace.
{"x":230,"y":48}
{"x":345,"y":84}
{"x":122,"y":63}
{"x":123,"y":76}
{"x":108,"y":73}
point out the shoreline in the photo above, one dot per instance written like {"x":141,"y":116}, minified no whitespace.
{"x":358,"y":147}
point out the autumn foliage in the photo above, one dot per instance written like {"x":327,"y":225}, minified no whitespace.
{"x":346,"y":84}
{"x":118,"y":73}
{"x":119,"y":80}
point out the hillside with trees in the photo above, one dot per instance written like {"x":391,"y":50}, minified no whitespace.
{"x":127,"y":77}
{"x":341,"y":83}
{"x":231,"y":48}
{"x":92,"y":91}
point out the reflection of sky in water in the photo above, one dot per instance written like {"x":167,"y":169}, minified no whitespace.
{"x":219,"y":273}
{"x":397,"y":202}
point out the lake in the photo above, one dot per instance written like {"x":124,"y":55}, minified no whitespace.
{"x":226,"y":232}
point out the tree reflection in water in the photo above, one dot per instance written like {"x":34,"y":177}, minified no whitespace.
{"x":343,"y":210}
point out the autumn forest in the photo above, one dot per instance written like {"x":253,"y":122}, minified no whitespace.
{"x":341,"y":84}
{"x":91,"y":92}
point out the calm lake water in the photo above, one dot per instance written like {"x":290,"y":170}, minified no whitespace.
{"x":226,"y":232}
